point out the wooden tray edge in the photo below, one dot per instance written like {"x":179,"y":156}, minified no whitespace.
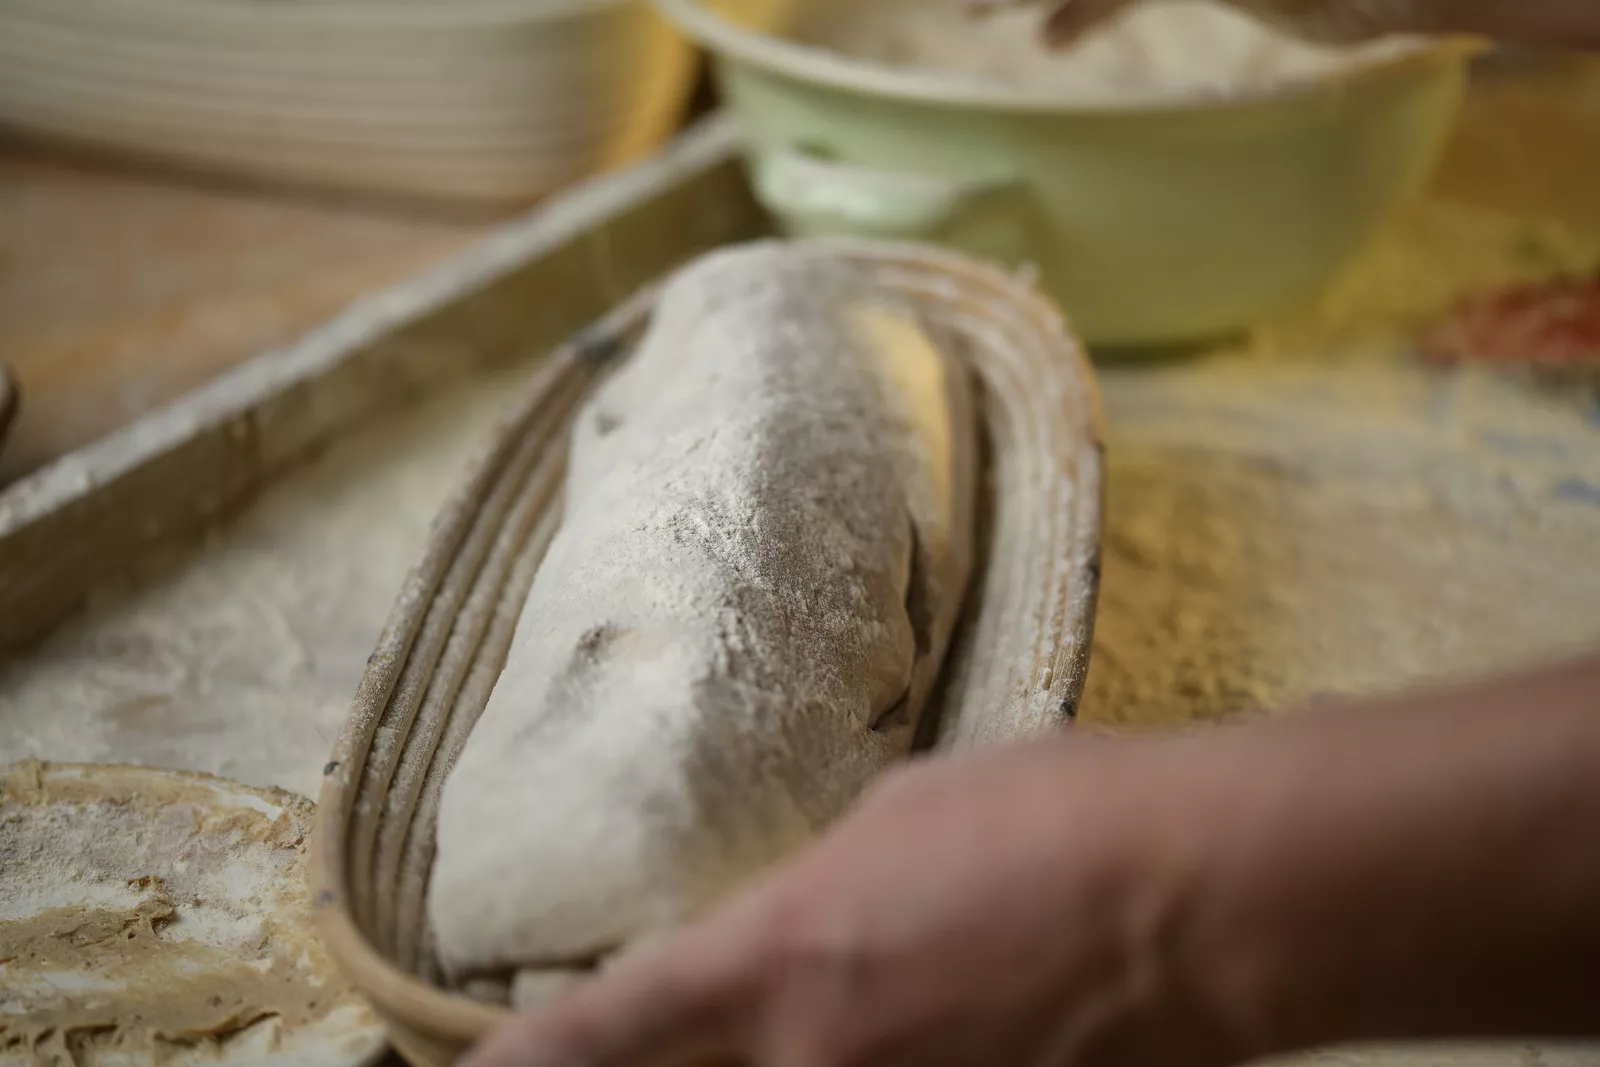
{"x":92,"y":516}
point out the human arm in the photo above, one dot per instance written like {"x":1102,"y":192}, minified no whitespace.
{"x":1419,"y":867}
{"x":1537,"y":23}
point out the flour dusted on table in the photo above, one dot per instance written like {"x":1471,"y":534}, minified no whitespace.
{"x":1155,"y":48}
{"x":239,"y":657}
{"x":766,"y":538}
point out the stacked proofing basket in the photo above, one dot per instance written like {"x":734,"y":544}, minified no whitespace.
{"x":479,"y":100}
{"x":1017,"y":665}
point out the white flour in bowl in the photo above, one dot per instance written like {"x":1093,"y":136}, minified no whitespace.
{"x":1155,"y":49}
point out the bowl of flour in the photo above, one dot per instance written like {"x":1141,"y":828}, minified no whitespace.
{"x":1179,"y":173}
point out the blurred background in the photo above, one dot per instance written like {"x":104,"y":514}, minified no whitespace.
{"x":183,"y":186}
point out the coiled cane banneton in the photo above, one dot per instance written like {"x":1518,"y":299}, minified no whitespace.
{"x":1016,"y":667}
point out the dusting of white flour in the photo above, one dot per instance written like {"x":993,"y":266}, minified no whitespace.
{"x":241,"y":658}
{"x":1313,"y":514}
{"x":1153,"y":49}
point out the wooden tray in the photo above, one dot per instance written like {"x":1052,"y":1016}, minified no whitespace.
{"x":1018,"y":662}
{"x":92,"y":516}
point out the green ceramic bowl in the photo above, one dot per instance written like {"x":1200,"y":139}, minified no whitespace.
{"x":1153,"y":223}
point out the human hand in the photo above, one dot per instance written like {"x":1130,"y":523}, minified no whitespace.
{"x":1003,"y":907}
{"x":1418,"y":868}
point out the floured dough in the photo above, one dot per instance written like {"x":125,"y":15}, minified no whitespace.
{"x":766,"y":538}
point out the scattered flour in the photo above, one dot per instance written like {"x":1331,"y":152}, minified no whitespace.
{"x":240,"y":659}
{"x":1153,"y":49}
{"x":1312,"y":513}
{"x":1303,"y":514}
{"x":147,"y":917}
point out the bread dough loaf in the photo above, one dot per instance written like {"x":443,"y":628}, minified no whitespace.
{"x":766,"y":536}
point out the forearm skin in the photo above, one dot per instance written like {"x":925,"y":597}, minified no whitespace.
{"x":1412,"y":869}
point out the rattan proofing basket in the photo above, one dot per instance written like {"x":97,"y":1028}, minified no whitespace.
{"x":488,"y":102}
{"x":1017,"y":663}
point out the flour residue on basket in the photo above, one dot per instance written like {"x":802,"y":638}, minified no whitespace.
{"x":1155,"y":49}
{"x":150,"y":918}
